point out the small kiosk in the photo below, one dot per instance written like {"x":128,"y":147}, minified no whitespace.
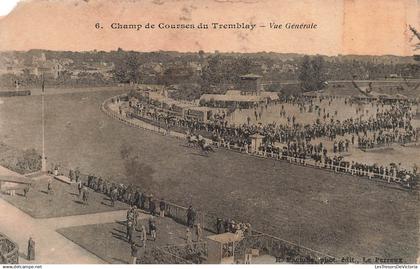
{"x":256,"y":142}
{"x":221,"y":248}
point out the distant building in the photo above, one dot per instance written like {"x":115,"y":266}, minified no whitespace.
{"x":236,"y":98}
{"x":250,"y":93}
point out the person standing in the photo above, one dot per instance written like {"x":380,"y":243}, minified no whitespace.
{"x":143,"y":236}
{"x":85,"y":195}
{"x":190,"y":216}
{"x":134,"y":253}
{"x":152,"y":207}
{"x":162,"y":207}
{"x":152,"y":228}
{"x":31,"y":249}
{"x":26,"y":190}
{"x":136,"y":216}
{"x":49,"y":186}
{"x":130,"y":223}
{"x":77,"y":174}
{"x":198,"y":232}
{"x":114,"y":196}
{"x":142,"y":200}
{"x":71,"y":175}
{"x":219,"y":225}
{"x":130,"y":228}
{"x":79,"y":187}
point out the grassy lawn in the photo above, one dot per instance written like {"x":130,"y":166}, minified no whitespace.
{"x":108,"y":241}
{"x":337,"y":214}
{"x":64,"y":201}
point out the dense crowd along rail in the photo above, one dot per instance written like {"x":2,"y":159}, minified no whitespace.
{"x":401,"y":178}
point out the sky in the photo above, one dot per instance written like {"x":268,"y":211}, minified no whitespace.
{"x":373,"y":27}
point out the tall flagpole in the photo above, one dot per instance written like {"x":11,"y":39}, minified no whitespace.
{"x":43,"y":161}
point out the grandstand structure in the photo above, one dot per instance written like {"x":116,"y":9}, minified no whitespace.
{"x":208,"y":105}
{"x":250,"y":92}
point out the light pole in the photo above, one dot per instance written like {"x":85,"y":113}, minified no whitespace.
{"x":43,"y":160}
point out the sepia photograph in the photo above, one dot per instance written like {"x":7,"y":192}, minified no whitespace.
{"x":209,"y":132}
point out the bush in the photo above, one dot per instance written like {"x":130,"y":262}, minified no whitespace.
{"x":29,"y":162}
{"x":20,"y":161}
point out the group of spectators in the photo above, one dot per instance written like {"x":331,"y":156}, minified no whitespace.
{"x":146,"y":202}
{"x":229,"y":225}
{"x":386,"y":138}
{"x":317,"y":155}
{"x":391,"y":124}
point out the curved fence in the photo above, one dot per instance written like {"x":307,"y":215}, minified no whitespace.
{"x":9,"y":251}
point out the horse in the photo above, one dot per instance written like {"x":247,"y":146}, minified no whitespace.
{"x":205,"y":147}
{"x":192,"y":140}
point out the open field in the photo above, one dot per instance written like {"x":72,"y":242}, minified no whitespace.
{"x":336,"y":214}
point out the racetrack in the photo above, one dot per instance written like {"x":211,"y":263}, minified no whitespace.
{"x":336,"y":214}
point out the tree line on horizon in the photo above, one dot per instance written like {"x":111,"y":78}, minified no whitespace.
{"x":201,"y":72}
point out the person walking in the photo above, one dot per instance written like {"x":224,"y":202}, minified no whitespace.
{"x":31,"y":249}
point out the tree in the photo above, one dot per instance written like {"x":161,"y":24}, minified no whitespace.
{"x":305,"y":75}
{"x":133,"y":68}
{"x":127,"y":68}
{"x":318,"y":64}
{"x":312,"y":75}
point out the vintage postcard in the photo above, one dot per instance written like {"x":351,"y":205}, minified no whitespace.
{"x":210,"y":132}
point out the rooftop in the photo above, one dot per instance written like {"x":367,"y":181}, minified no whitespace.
{"x":232,"y":98}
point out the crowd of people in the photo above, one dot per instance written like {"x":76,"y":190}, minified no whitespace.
{"x":146,"y":202}
{"x":390,"y":124}
{"x":317,"y":156}
{"x":394,"y":120}
{"x":386,"y":138}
